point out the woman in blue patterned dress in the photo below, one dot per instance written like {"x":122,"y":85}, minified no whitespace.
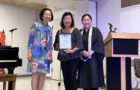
{"x":40,"y":49}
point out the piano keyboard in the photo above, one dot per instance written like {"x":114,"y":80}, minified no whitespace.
{"x":7,"y":61}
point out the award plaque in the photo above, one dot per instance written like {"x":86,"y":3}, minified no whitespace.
{"x":65,"y":41}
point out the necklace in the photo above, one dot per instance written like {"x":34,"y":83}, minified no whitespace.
{"x":66,"y":30}
{"x":69,"y":30}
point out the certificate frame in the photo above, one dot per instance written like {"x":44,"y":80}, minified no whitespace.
{"x":65,"y":41}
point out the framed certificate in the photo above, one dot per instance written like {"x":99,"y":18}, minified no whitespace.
{"x":65,"y":41}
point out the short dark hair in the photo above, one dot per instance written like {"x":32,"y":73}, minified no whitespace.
{"x":65,"y":14}
{"x":43,"y":11}
{"x":86,"y":15}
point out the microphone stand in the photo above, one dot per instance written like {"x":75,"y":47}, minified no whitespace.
{"x":11,"y":37}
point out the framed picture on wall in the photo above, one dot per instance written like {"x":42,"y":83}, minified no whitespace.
{"x":126,"y":3}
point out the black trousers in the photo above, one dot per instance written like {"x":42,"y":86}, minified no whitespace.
{"x":69,"y":70}
{"x":92,"y":89}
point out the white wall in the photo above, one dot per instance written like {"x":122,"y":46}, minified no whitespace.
{"x":108,"y":12}
{"x":93,"y":12}
{"x":130,"y":19}
{"x":12,"y":16}
{"x":84,"y":7}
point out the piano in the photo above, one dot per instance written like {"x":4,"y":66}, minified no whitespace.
{"x":9,"y":59}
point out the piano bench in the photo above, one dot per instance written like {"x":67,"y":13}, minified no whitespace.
{"x":8,"y":77}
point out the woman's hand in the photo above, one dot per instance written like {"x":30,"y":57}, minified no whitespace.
{"x":69,"y":51}
{"x":90,"y":52}
{"x":50,"y":59}
{"x":49,"y":55}
{"x":29,"y":55}
{"x":85,"y":53}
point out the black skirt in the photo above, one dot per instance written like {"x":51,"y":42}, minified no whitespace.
{"x":90,"y":74}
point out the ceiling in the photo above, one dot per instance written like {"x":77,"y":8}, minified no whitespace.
{"x":60,"y":3}
{"x":63,"y":4}
{"x":38,"y":4}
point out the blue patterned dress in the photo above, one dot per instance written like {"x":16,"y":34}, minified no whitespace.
{"x":40,"y":42}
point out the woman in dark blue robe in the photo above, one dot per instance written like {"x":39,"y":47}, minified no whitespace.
{"x":90,"y":71}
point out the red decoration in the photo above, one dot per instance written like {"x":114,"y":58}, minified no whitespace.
{"x":2,"y":38}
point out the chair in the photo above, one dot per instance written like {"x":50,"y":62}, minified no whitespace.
{"x":137,"y":71}
{"x":8,"y":77}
